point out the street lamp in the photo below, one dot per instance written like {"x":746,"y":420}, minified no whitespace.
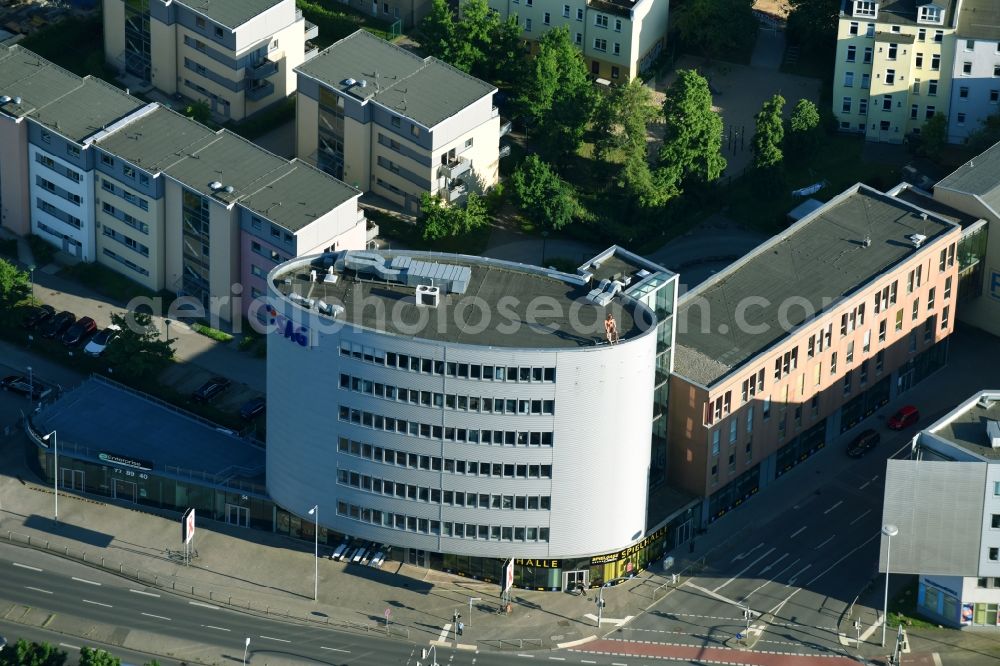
{"x":889,"y":531}
{"x":600,"y":603}
{"x":55,"y":466}
{"x":31,"y":385}
{"x":167,"y":322}
{"x":31,"y":272}
{"x":312,"y":511}
{"x":246,"y":648}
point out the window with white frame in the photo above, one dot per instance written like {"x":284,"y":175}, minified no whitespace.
{"x":600,"y":44}
{"x":848,"y":79}
{"x":865,"y":8}
{"x":846,"y":104}
{"x":565,"y":11}
{"x":890,"y":76}
{"x":601,"y":20}
{"x":930,"y":14}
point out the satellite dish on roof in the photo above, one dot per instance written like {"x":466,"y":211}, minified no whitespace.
{"x":229,"y":189}
{"x":349,"y":82}
{"x":4,"y":99}
{"x":215,"y":186}
{"x":17,"y":100}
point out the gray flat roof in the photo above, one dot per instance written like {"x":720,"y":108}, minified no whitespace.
{"x":526,"y":287}
{"x":425,"y":90}
{"x":72,"y":106}
{"x":616,"y":263}
{"x":979,"y":19}
{"x":157,"y":140}
{"x":304,"y":192}
{"x":931,"y":205}
{"x":968,"y":428}
{"x":230,"y":13}
{"x":978,"y":176}
{"x":101,"y":417}
{"x":819,"y":259}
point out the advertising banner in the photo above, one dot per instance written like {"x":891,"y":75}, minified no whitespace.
{"x":187,"y":526}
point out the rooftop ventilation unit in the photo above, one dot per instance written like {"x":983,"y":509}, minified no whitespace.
{"x":605,"y":291}
{"x":866,"y":242}
{"x":229,"y":189}
{"x":5,"y":99}
{"x":349,"y":82}
{"x":401,"y":269}
{"x":215,"y":186}
{"x":329,"y":309}
{"x":428,"y":295}
{"x":307,"y":303}
{"x":917,"y":239}
{"x":993,"y":433}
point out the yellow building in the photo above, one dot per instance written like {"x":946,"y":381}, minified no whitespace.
{"x":236,"y":55}
{"x":387,"y":121}
{"x":893,"y":66}
{"x":619,"y":38}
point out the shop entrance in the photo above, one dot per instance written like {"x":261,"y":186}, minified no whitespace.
{"x":682,"y":533}
{"x":72,"y":479}
{"x":123,"y":490}
{"x":417,"y":558}
{"x":237,"y":515}
{"x":572,"y":580}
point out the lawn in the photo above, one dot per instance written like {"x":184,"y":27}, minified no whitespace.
{"x":903,"y":608}
{"x":337,"y":20}
{"x":76,"y":44}
{"x":110,"y":283}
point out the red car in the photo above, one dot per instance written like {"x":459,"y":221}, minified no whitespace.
{"x":904,"y":418}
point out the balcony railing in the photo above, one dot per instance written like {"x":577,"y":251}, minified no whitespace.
{"x":262,"y":70}
{"x":311,"y":52}
{"x":505,"y":150}
{"x":505,"y":128}
{"x":456,"y":192}
{"x":455,"y":168}
{"x":312,"y":30}
{"x":257,"y":93}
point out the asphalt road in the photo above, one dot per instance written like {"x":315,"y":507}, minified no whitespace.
{"x":797,"y":573}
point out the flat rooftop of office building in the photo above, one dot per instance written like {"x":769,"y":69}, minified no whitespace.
{"x":510,"y":292}
{"x":230,"y":13}
{"x":968,"y":430}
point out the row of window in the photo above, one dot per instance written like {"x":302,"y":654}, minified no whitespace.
{"x":467,"y":403}
{"x":122,"y":216}
{"x":389,"y":456}
{"x":128,"y":242}
{"x":399,"y":521}
{"x":993,"y":95}
{"x":430,"y":366}
{"x":267,"y":253}
{"x":967,"y":69}
{"x":122,"y":193}
{"x":52,"y":188}
{"x":51,"y":164}
{"x":125,"y":262}
{"x":427,"y":430}
{"x":127,"y":170}
{"x":57,"y":213}
{"x":415,"y":493}
{"x":277,"y":233}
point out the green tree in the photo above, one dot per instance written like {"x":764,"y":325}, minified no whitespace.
{"x":199,"y":110}
{"x":813,"y":23}
{"x":506,"y":60}
{"x":440,"y":220}
{"x":95,"y":657}
{"x":692,"y":140}
{"x":437,"y":30}
{"x":621,"y":117}
{"x":933,"y":136}
{"x":542,"y":195}
{"x":769,"y":134}
{"x":803,"y":126}
{"x":717,"y":28}
{"x":138,"y":352}
{"x":24,"y":653}
{"x":476,"y":26}
{"x":986,"y":135}
{"x":557,"y":95}
{"x":14,"y":285}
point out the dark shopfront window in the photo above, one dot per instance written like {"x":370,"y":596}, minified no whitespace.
{"x":734,"y":493}
{"x":803,"y":446}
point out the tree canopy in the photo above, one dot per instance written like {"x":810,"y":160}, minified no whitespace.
{"x":769,"y":134}
{"x":477,"y":42}
{"x":557,"y":95}
{"x":803,"y":129}
{"x":813,"y":23}
{"x":716,"y":28}
{"x":95,"y":657}
{"x":933,"y":136}
{"x":438,"y":30}
{"x":14,"y":286}
{"x":440,"y":220}
{"x":542,"y":195}
{"x":692,"y":141}
{"x":24,"y":653}
{"x":138,"y":352}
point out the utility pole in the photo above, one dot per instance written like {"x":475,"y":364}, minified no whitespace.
{"x":471,"y":599}
{"x":600,"y":604}
{"x":456,"y":616}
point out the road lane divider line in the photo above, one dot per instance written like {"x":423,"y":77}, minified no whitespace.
{"x":838,"y":503}
{"x":746,"y":554}
{"x":71,"y":647}
{"x":202,"y":605}
{"x":25,"y":566}
{"x":84,"y":580}
{"x":797,"y":532}
{"x":158,"y":617}
{"x":861,"y":516}
{"x":96,"y":603}
{"x":148,"y":594}
{"x":825,"y":542}
{"x":772,"y":564}
{"x":323,"y":647}
{"x":37,"y":589}
{"x":745,"y":569}
{"x":272,"y":638}
{"x":212,"y":626}
{"x":713,"y":594}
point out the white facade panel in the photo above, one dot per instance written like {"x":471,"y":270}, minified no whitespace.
{"x":77,"y":240}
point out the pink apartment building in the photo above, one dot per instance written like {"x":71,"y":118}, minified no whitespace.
{"x":802,"y":339}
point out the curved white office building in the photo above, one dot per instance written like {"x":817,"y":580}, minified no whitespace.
{"x":493,"y":419}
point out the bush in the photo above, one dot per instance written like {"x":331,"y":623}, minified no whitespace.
{"x":43,"y":251}
{"x":213,"y":333}
{"x":8,"y":248}
{"x":265,"y":121}
{"x":337,"y":22}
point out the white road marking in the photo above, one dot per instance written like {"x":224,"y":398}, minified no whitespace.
{"x":323,"y":647}
{"x":839,"y":502}
{"x":616,"y":663}
{"x":791,"y":581}
{"x":198,"y":603}
{"x":771,"y":580}
{"x":937,"y":659}
{"x":212,"y":626}
{"x":67,"y":645}
{"x":825,"y":542}
{"x":587,"y":661}
{"x":743,"y":555}
{"x":745,"y":569}
{"x":528,"y":656}
{"x":771,"y":565}
{"x":158,"y":617}
{"x":84,"y":580}
{"x":797,"y":532}
{"x":148,"y":594}
{"x":558,"y":658}
{"x":37,"y":589}
{"x":861,"y":516}
{"x":713,"y":594}
{"x":96,"y":603}
{"x":444,"y":632}
{"x":272,"y":638}
{"x":864,"y":485}
{"x":25,"y":566}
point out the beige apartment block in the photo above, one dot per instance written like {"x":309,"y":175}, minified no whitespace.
{"x":893,"y":66}
{"x":238,"y":56}
{"x":387,"y":121}
{"x":802,"y":339}
{"x":619,"y":38}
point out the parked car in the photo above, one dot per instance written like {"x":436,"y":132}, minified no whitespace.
{"x":253,"y":408}
{"x":100,"y":342}
{"x":25,"y":386}
{"x":37,"y":315}
{"x":210,"y":389}
{"x":58,"y":324}
{"x":863,"y":443}
{"x":78,"y":332}
{"x":904,"y":418}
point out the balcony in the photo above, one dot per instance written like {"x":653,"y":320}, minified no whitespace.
{"x":505,"y":150}
{"x":311,"y":52}
{"x":261,"y":70}
{"x":505,"y":128}
{"x":455,"y":192}
{"x":455,"y":168}
{"x":259,"y":92}
{"x":312,"y":31}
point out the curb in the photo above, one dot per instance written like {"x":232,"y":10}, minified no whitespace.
{"x":570,"y":644}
